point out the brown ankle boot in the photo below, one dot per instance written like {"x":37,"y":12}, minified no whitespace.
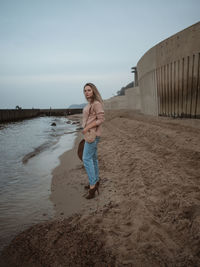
{"x":88,"y":186}
{"x":91,"y":193}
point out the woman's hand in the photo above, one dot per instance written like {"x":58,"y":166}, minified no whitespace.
{"x":88,"y":127}
{"x":85,"y":130}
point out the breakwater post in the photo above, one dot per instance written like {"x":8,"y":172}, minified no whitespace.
{"x":9,"y":115}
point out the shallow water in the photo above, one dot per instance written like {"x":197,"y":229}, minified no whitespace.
{"x":25,"y":184}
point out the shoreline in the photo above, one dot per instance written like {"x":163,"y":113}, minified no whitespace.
{"x":62,"y":192}
{"x":147,"y":212}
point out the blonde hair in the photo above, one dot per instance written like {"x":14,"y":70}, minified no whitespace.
{"x":96,"y":94}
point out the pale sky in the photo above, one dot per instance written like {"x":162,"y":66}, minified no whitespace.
{"x":50,"y":48}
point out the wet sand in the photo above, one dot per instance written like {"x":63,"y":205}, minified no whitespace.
{"x":148,"y":210}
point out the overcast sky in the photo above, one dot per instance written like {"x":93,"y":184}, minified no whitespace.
{"x":50,"y":48}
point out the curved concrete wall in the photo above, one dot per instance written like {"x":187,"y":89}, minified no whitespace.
{"x":169,"y":76}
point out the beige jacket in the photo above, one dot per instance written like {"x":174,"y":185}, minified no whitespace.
{"x":96,"y":114}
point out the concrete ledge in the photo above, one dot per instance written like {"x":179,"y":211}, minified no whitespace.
{"x":131,"y":100}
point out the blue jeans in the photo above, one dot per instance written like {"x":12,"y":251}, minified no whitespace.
{"x":90,"y":161}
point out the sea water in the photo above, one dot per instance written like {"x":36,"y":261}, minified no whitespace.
{"x":29,"y":151}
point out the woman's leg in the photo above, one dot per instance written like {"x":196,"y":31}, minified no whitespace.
{"x":88,"y":154}
{"x":95,"y":161}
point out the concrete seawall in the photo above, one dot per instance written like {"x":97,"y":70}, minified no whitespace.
{"x":169,"y":76}
{"x":9,"y":115}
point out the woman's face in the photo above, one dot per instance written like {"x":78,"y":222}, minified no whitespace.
{"x":88,"y":92}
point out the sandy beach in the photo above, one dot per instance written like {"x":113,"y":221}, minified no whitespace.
{"x":148,"y":209}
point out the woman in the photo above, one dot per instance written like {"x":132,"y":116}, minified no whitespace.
{"x":93,"y":116}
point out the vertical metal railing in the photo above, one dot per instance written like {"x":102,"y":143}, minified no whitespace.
{"x":197,"y":102}
{"x":178,"y":87}
{"x":182,"y":87}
